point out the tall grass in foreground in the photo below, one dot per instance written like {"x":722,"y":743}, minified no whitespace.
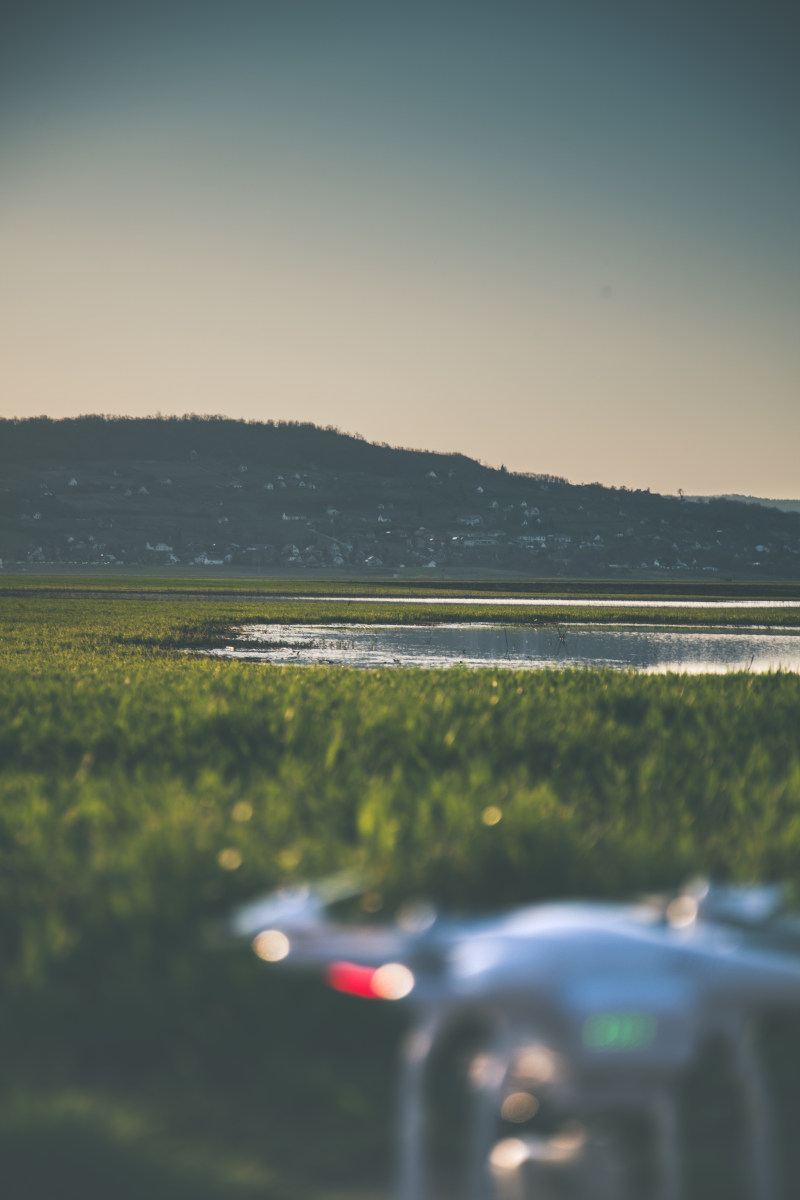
{"x":143,"y":791}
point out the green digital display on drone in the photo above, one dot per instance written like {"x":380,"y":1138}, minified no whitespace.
{"x":619,"y":1031}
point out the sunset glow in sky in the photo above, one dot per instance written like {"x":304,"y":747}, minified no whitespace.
{"x":560,"y":235}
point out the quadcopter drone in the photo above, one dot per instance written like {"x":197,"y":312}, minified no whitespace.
{"x":576,"y":1051}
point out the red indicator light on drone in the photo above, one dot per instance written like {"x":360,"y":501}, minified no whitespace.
{"x":351,"y":978}
{"x":392,"y":981}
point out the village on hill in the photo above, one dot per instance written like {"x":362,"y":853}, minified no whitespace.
{"x":211,"y":492}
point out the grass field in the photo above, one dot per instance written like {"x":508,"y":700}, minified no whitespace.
{"x":143,"y":792}
{"x":236,"y":583}
{"x":160,"y":615}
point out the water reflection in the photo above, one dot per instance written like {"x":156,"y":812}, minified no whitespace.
{"x":473,"y":645}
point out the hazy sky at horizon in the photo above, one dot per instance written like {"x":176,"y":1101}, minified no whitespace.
{"x":556,"y":234}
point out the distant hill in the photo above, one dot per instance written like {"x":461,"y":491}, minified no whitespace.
{"x":209,"y":491}
{"x":783,"y":505}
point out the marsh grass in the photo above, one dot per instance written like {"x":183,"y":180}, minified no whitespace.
{"x":129,"y":769}
{"x":229,"y":583}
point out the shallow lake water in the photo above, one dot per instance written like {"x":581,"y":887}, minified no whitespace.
{"x":639,"y":648}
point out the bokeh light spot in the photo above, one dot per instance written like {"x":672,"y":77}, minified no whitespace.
{"x":519,"y":1107}
{"x":392,"y":982}
{"x":271,"y":945}
{"x":682,"y":912}
{"x":508,"y":1155}
{"x":230,"y":859}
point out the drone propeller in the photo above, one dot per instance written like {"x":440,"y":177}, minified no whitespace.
{"x":295,"y":925}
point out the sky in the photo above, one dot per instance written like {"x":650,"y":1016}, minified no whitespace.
{"x":557,"y":235}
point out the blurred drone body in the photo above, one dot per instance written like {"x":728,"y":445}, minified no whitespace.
{"x":604,"y":1052}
